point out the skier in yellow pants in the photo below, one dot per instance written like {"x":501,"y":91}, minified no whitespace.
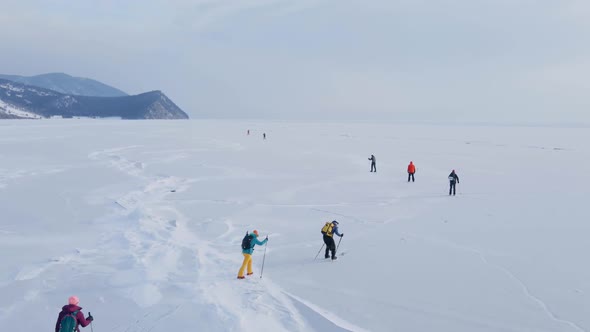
{"x":248,"y":243}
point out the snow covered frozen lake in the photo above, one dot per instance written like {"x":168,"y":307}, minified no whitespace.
{"x":143,"y":221}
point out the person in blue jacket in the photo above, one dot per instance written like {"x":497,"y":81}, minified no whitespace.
{"x":247,"y":249}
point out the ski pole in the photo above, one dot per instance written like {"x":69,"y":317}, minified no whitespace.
{"x":339,"y":243}
{"x":91,"y":328}
{"x":263,"y":258}
{"x":316,"y":256}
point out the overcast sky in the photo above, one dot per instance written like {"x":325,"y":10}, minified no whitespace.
{"x":504,"y":61}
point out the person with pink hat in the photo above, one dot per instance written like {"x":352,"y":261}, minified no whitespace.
{"x":71,"y":316}
{"x":248,"y":243}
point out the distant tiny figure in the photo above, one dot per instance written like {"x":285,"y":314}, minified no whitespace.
{"x":328,"y":231}
{"x":71,"y":316}
{"x":263,"y":135}
{"x":453,"y":179}
{"x":248,"y":131}
{"x":373,"y":163}
{"x":411,"y":171}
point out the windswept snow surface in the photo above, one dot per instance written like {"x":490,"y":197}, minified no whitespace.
{"x":144,"y":220}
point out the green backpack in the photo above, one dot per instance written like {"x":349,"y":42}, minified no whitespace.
{"x":68,"y":322}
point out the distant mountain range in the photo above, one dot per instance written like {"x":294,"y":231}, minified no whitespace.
{"x":19,"y":100}
{"x":67,"y":84}
{"x":50,"y":95}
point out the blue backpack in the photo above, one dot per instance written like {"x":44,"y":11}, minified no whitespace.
{"x":68,"y":322}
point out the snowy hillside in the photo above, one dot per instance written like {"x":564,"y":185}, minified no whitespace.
{"x":25,"y":101}
{"x":67,"y":84}
{"x":143,"y":221}
{"x":14,"y":112}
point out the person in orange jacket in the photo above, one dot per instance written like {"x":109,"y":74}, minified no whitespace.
{"x":411,"y":171}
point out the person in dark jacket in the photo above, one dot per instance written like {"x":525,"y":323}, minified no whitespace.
{"x":373,"y":163}
{"x":328,"y":232}
{"x":73,"y":307}
{"x":453,"y":180}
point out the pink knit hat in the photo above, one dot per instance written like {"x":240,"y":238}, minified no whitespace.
{"x":73,"y":300}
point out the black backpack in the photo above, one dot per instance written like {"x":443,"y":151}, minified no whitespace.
{"x":247,"y":241}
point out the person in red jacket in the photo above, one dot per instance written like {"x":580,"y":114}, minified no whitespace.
{"x":411,"y":171}
{"x":73,"y":309}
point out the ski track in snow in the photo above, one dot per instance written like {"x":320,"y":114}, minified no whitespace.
{"x":7,"y":176}
{"x":159,"y":243}
{"x":147,"y":321}
{"x":525,"y":289}
{"x":163,"y":244}
{"x":32,"y":272}
{"x":361,"y":221}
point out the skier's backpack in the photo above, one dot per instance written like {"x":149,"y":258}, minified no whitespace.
{"x":327,"y":229}
{"x":68,"y":322}
{"x":247,"y":241}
